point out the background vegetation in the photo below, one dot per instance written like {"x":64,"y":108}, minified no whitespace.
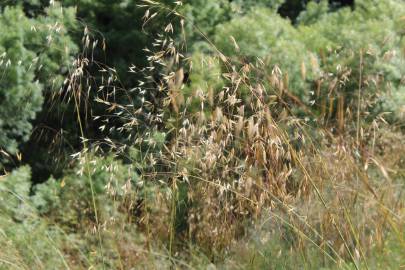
{"x":202,"y":134}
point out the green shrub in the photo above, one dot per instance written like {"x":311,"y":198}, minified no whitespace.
{"x":32,"y":50}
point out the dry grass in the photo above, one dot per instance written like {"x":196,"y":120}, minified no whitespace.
{"x":234,"y":155}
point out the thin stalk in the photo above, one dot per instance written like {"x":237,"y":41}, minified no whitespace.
{"x":359,"y":99}
{"x":89,"y":174}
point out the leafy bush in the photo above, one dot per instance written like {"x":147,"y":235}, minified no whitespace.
{"x":32,"y":51}
{"x":322,"y":57}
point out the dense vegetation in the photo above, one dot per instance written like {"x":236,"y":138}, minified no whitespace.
{"x":202,"y":134}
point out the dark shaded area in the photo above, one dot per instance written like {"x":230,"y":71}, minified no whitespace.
{"x":292,"y":8}
{"x":341,"y":3}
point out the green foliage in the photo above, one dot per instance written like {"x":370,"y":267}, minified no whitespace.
{"x":323,"y":47}
{"x":32,"y":50}
{"x":202,"y":17}
{"x":273,"y":4}
{"x":27,"y":239}
{"x":394,"y":104}
{"x":205,"y":80}
{"x":263,"y":33}
{"x":205,"y":15}
{"x":15,"y":191}
{"x":109,"y":180}
{"x":20,"y":92}
{"x":39,"y":226}
{"x":313,"y":12}
{"x":344,"y":38}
